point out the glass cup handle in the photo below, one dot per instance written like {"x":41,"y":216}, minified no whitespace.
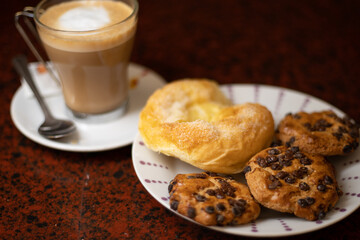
{"x":28,"y":12}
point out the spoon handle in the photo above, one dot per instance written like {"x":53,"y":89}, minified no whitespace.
{"x":21,"y":65}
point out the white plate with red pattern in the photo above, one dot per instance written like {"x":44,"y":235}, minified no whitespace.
{"x":156,"y":170}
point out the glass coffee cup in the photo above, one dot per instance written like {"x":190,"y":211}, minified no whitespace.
{"x":89,"y":44}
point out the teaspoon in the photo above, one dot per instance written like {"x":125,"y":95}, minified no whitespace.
{"x":51,"y":128}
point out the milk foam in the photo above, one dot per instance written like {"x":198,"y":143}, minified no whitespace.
{"x":84,"y":18}
{"x":78,"y":17}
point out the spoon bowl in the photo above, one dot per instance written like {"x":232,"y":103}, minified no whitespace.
{"x":51,"y":128}
{"x":56,"y":129}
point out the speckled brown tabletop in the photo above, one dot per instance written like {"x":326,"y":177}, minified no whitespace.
{"x":310,"y":46}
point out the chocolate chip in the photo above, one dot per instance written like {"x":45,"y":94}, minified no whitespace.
{"x":191,"y":212}
{"x":337,"y":135}
{"x":321,"y":125}
{"x":300,"y":173}
{"x":302,"y":202}
{"x":220,"y":219}
{"x":304,"y":186}
{"x":261,"y":162}
{"x":286,"y":159}
{"x":321,"y":187}
{"x":275,"y":184}
{"x":289,"y":114}
{"x":310,"y":200}
{"x":298,"y":155}
{"x":290,"y":180}
{"x":297,"y":173}
{"x":271,"y":159}
{"x":174,"y":205}
{"x":347,"y":149}
{"x":282,"y":174}
{"x":238,"y":206}
{"x":272,"y":178}
{"x":229,"y":191}
{"x":197,"y":176}
{"x":305,"y":202}
{"x":321,"y":215}
{"x":305,"y":170}
{"x":297,"y":116}
{"x":290,"y":142}
{"x":276,"y":166}
{"x":332,"y":115}
{"x":200,"y":198}
{"x":219,"y":195}
{"x":307,"y":126}
{"x":289,"y":155}
{"x":328,"y":180}
{"x":211,"y":192}
{"x":319,"y":129}
{"x":170,"y":187}
{"x":220,"y":207}
{"x":242,"y":202}
{"x":286,"y":163}
{"x":273,"y":151}
{"x":294,"y":149}
{"x":342,"y":129}
{"x":226,"y":188}
{"x":209,"y":209}
{"x":281,"y":157}
{"x":246,"y":169}
{"x":305,"y":161}
{"x":238,"y":210}
{"x":232,"y":201}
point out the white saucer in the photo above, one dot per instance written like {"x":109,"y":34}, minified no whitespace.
{"x":155,"y":170}
{"x":27,"y":117}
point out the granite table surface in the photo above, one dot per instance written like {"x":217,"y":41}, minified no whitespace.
{"x":309,"y":46}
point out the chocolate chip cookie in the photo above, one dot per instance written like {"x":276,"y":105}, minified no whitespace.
{"x":319,"y":132}
{"x":288,"y":180}
{"x":211,"y":199}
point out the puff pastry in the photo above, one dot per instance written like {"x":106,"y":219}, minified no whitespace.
{"x":192,"y":120}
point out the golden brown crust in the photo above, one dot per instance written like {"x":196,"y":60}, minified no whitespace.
{"x":319,"y":133}
{"x":212,"y":200}
{"x":193,"y":121}
{"x":287,"y":180}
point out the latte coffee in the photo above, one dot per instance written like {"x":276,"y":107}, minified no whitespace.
{"x":89,"y":44}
